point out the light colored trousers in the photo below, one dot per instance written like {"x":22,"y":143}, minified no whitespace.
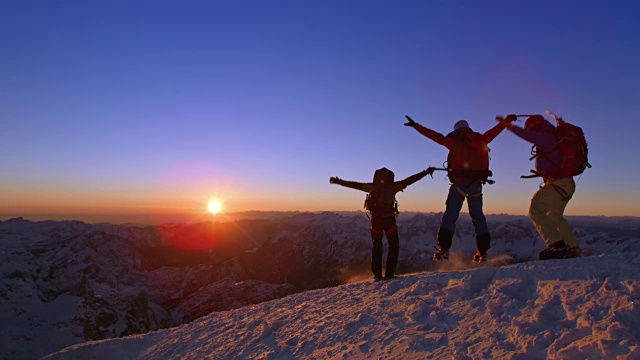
{"x":547,"y":210}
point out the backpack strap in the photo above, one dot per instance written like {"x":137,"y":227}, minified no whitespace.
{"x":562,"y":192}
{"x":535,"y":154}
{"x":466,"y":194}
{"x":535,"y":175}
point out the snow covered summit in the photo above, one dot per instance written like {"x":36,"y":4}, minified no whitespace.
{"x":587,"y":308}
{"x":67,"y":282}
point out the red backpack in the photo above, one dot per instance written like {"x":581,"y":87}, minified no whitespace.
{"x":468,"y":157}
{"x":572,"y":152}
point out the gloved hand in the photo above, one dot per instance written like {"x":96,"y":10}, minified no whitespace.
{"x":505,"y":122}
{"x":430,"y":170}
{"x":511,"y":118}
{"x":409,"y":122}
{"x":333,"y":180}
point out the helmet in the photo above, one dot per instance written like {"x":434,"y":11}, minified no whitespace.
{"x":461,"y":124}
{"x":533,"y":122}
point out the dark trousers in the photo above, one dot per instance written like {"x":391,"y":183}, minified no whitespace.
{"x":458,"y":192}
{"x":379,"y":226}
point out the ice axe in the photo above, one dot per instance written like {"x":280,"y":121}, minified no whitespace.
{"x":522,"y":115}
{"x":435,"y":168}
{"x":554,"y":116}
{"x":548,"y":112}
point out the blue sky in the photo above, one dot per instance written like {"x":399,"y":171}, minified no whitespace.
{"x":112,"y":107}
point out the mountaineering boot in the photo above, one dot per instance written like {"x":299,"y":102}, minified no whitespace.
{"x":557,"y":250}
{"x":442,"y":254}
{"x":445,"y":237}
{"x":480,"y":256}
{"x":377,"y":278}
{"x":483,"y":243}
{"x":388,"y":276}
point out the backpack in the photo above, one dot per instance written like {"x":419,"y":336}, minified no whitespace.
{"x":468,"y":157}
{"x":382,"y":199}
{"x":572,"y":152}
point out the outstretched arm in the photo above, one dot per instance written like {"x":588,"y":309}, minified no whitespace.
{"x":536,"y":138}
{"x":496,"y":130}
{"x":366,"y":187}
{"x":433,"y":135}
{"x":413,"y":178}
{"x":492,"y":133}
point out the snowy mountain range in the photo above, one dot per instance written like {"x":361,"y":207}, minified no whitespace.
{"x":65,"y":283}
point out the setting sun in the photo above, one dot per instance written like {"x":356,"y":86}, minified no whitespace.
{"x":215,"y":206}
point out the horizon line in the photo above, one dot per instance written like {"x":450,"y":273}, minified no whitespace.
{"x":181,"y":218}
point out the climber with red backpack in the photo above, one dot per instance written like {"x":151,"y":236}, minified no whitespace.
{"x":383,"y":207}
{"x":468,"y":170}
{"x":560,"y":153}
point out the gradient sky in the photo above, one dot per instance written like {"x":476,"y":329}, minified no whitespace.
{"x":111,"y":107}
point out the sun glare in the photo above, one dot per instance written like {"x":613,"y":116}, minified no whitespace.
{"x":215,"y":206}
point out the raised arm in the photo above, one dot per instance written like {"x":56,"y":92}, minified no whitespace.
{"x":401,"y":185}
{"x":534,"y":137}
{"x":491,"y":134}
{"x":366,"y":187}
{"x":496,"y":130}
{"x":433,"y":135}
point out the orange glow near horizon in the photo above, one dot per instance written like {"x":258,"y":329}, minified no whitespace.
{"x":182,"y":191}
{"x":187,"y":195}
{"x":192,"y":205}
{"x":214,"y":206}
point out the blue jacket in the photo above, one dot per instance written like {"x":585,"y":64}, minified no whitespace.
{"x":544,"y":140}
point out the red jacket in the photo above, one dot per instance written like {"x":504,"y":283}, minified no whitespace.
{"x":449,"y":140}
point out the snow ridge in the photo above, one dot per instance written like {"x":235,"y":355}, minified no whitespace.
{"x":574,"y":308}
